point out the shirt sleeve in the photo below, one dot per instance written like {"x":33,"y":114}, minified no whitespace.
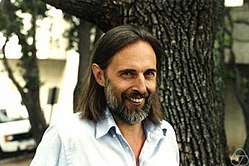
{"x":50,"y":151}
{"x":176,"y":147}
{"x":174,"y":144}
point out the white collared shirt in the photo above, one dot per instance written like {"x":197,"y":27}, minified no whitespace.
{"x":79,"y":142}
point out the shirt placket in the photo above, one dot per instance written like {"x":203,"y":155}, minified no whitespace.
{"x":127,"y":150}
{"x":145,"y":150}
{"x":150,"y":143}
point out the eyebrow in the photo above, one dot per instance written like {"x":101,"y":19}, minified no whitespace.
{"x":126,"y":70}
{"x":134,"y":71}
{"x":151,"y":70}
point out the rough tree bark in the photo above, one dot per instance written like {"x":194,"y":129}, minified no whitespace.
{"x":186,"y":31}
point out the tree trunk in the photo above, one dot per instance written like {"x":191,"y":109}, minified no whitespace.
{"x":85,"y":46}
{"x":186,"y":30}
{"x":31,"y":76}
{"x":30,"y":96}
{"x":28,"y":63}
{"x":84,"y":53}
{"x":36,"y":118}
{"x":218,"y":56}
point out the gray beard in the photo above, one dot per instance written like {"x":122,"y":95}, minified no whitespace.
{"x":120,"y":112}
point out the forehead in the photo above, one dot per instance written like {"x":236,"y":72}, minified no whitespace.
{"x":139,"y":55}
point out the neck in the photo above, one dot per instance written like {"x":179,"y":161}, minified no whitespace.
{"x":129,"y":131}
{"x":134,"y":135}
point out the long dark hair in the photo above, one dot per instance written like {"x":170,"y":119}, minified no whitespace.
{"x":92,"y":101}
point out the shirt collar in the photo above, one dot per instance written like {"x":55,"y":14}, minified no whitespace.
{"x":157,"y":131}
{"x":108,"y":123}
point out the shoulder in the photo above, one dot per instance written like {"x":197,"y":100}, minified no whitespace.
{"x":70,"y":125}
{"x":166,"y":125}
{"x":169,"y":145}
{"x":62,"y":136}
{"x":168,"y":129}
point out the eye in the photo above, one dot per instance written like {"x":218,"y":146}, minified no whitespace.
{"x":150,"y":74}
{"x":127,"y":74}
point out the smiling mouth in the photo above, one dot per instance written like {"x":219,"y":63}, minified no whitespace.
{"x":135,"y":98}
{"x":136,"y":101}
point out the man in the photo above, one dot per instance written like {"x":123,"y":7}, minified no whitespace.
{"x":120,"y":121}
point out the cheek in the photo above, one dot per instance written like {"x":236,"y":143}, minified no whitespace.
{"x":117,"y":93}
{"x":151,"y":85}
{"x":121,"y":87}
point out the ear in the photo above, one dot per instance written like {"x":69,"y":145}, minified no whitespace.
{"x":98,"y":74}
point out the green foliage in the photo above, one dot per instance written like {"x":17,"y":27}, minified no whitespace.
{"x":11,"y":23}
{"x":12,"y":16}
{"x":72,"y":33}
{"x":26,"y":6}
{"x":227,"y":40}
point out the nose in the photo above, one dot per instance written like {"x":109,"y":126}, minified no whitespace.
{"x":140,"y":84}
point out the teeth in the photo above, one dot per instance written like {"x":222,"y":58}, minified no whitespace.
{"x":137,"y":100}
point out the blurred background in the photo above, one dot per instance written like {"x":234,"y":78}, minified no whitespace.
{"x":44,"y":55}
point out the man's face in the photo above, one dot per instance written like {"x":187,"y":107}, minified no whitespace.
{"x":130,"y":82}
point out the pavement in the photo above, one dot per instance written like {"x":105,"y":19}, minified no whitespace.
{"x":17,"y":161}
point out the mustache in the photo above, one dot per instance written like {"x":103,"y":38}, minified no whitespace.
{"x":136,"y":94}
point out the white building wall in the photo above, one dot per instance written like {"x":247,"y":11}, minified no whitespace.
{"x":51,"y":75}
